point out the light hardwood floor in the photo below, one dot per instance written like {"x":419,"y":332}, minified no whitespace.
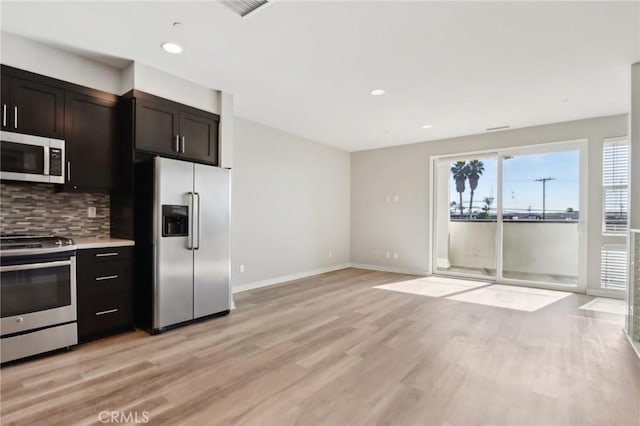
{"x":332,"y":350}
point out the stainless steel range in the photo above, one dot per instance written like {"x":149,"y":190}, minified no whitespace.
{"x":38,"y":295}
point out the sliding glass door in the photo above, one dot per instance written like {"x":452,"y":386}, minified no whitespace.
{"x":514,"y":216}
{"x":540,"y":217}
{"x":466,"y":225}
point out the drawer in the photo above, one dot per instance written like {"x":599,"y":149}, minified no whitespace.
{"x":101,"y":279}
{"x":107,"y":254}
{"x":104,"y":316}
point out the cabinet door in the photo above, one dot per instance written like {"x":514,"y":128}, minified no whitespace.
{"x":36,"y":109}
{"x":90,"y":129}
{"x":156,"y":127}
{"x":5,"y":103}
{"x":200,"y":135}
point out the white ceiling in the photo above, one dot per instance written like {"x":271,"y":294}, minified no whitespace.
{"x":308,"y":67}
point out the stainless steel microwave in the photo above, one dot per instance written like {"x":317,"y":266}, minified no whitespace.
{"x":31,"y":158}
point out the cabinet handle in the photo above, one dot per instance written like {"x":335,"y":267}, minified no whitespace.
{"x":110,"y":311}
{"x":177,"y":148}
{"x":108,"y":277}
{"x":183,"y":144}
{"x":15,"y":116}
{"x":69,"y":171}
{"x":4,"y":115}
{"x":106,"y":254}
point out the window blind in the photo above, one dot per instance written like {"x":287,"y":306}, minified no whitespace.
{"x":615,"y":181}
{"x":613,"y":269}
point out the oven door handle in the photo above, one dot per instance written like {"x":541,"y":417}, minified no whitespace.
{"x":47,"y":158}
{"x":26,"y":267}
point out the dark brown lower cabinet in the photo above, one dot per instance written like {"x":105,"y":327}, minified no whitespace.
{"x":104,"y":292}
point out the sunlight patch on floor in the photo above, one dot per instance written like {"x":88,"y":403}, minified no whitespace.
{"x":511,"y":297}
{"x":604,"y":304}
{"x":432,"y":286}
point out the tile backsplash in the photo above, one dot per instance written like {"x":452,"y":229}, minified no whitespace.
{"x":33,"y":208}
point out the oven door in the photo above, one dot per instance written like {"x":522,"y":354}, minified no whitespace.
{"x":37,"y":295}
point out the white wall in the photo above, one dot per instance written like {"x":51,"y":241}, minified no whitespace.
{"x":634,"y":126}
{"x":169,"y":86}
{"x":290,"y":206}
{"x":39,"y":58}
{"x":403,"y":227}
{"x":80,"y":68}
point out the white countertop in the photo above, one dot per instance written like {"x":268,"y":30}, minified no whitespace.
{"x":94,"y":242}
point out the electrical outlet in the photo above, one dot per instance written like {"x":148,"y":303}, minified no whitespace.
{"x":330,"y":254}
{"x":241,"y":268}
{"x":376,"y":253}
{"x":396,"y":198}
{"x":395,"y":255}
{"x":91,"y":212}
{"x":387,"y":198}
{"x":388,"y":255}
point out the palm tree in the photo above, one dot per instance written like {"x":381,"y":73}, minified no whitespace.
{"x":459,"y":170}
{"x":474,"y":171}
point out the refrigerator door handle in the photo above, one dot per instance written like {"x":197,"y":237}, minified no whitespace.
{"x":196,"y":244}
{"x":190,"y":218}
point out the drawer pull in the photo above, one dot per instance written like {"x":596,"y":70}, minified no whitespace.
{"x":110,"y":311}
{"x":108,"y":277}
{"x":106,"y":254}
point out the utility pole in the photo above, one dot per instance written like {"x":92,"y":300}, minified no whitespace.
{"x":544,"y":193}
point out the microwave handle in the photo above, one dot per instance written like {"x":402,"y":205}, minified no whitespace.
{"x":47,"y":159}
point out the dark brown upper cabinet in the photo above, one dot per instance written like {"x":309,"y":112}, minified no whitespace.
{"x":87,"y":119}
{"x":156,"y":129}
{"x":32,"y":107}
{"x":199,"y":137}
{"x":91,"y":133}
{"x":174,"y":130}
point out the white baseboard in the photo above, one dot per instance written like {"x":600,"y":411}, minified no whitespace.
{"x":390,"y":269}
{"x":613,"y":294}
{"x":285,"y":278}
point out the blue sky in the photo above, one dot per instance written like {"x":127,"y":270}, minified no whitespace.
{"x":520,"y":188}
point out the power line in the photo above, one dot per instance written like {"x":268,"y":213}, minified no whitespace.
{"x":544,"y":193}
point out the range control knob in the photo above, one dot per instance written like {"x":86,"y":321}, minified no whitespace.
{"x":20,"y":320}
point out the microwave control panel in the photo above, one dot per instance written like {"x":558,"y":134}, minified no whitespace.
{"x":55,"y":162}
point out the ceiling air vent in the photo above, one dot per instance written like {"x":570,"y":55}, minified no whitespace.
{"x":243,"y":7}
{"x":491,"y":129}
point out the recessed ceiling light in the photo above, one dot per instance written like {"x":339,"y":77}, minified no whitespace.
{"x":172,"y":47}
{"x":564,"y":101}
{"x":377,"y":92}
{"x":427,"y":126}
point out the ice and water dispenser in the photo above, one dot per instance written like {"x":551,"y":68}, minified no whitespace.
{"x":175,"y":221}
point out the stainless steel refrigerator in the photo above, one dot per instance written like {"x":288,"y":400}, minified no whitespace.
{"x":182,"y":243}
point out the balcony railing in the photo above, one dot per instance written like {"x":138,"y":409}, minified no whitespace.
{"x":530,"y":247}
